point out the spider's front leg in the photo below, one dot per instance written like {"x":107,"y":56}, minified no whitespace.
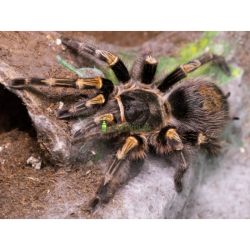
{"x":183,"y":70}
{"x":114,"y":62}
{"x":91,"y":128}
{"x":144,"y":69}
{"x":103,"y":86}
{"x":135,"y":147}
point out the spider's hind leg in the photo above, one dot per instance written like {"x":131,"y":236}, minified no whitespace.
{"x":114,"y":62}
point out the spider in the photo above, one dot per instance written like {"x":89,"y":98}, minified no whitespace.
{"x":176,"y":120}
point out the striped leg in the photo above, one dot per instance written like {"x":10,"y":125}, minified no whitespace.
{"x":85,"y":107}
{"x":144,"y":69}
{"x":84,"y":132}
{"x":169,"y":142}
{"x":131,"y":142}
{"x":104,"y":86}
{"x":24,"y":82}
{"x":117,"y":173}
{"x":210,"y":145}
{"x":86,"y":83}
{"x":182,"y":71}
{"x":114,"y":62}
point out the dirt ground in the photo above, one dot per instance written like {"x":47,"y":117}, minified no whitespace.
{"x":29,"y":193}
{"x":118,"y":38}
{"x":24,"y":191}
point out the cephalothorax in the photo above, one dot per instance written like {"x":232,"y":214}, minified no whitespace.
{"x":175,"y":119}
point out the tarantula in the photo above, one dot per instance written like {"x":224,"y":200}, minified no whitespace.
{"x":180,"y":118}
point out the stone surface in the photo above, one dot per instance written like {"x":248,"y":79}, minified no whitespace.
{"x":35,"y":162}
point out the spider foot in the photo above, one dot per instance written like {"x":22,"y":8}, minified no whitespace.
{"x":220,"y":60}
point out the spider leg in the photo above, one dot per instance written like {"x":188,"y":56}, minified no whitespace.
{"x":210,"y":144}
{"x":195,"y":140}
{"x":182,"y":71}
{"x":104,"y":86}
{"x":114,"y":62}
{"x":82,"y":83}
{"x":144,"y":69}
{"x":167,"y":141}
{"x":21,"y":83}
{"x":84,"y":107}
{"x":118,"y":172}
{"x":181,"y":169}
{"x":86,"y":131}
{"x":90,"y":127}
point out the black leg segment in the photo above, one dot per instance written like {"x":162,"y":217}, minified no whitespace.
{"x":144,"y":69}
{"x":24,"y":82}
{"x":114,"y":62}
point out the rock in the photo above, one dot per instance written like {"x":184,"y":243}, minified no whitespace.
{"x":151,"y":194}
{"x":35,"y":162}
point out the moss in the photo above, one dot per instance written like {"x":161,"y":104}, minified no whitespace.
{"x":109,"y":74}
{"x":99,"y":149}
{"x":193,"y":50}
{"x":215,"y":72}
{"x":166,"y":63}
{"x":211,"y":34}
{"x":186,"y":53}
{"x":127,"y":57}
{"x":204,"y":42}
